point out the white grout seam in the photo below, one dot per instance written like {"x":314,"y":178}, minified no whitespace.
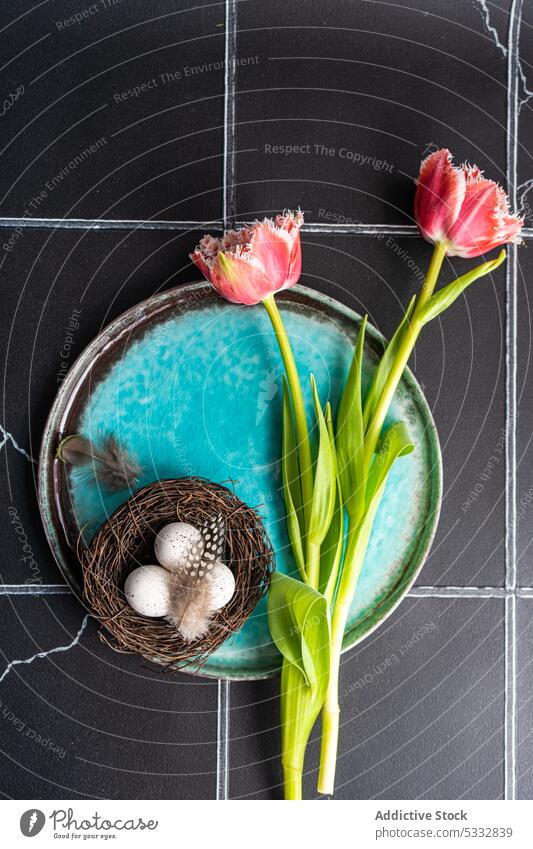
{"x":458,"y":592}
{"x":42,"y":654}
{"x":6,"y":438}
{"x":222,"y":788}
{"x":361,"y":229}
{"x":230,"y":54}
{"x":108,"y":224}
{"x":35,"y":589}
{"x":491,"y":30}
{"x":414,"y":592}
{"x":513,"y":76}
{"x":228,"y":215}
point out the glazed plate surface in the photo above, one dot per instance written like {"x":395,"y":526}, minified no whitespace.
{"x":192,"y":386}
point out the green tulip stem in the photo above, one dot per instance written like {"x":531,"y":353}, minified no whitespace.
{"x":404,"y":352}
{"x":358,"y":536}
{"x":292,"y":782}
{"x":313,"y":564}
{"x":354,"y":557}
{"x":302,"y":434}
{"x":331,"y":709}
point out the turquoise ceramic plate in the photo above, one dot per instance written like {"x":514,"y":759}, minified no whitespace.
{"x":191,"y":384}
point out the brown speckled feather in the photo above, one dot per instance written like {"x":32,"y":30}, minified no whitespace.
{"x":191,"y":605}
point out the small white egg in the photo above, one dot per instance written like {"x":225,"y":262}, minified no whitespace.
{"x":223,"y":584}
{"x":176,"y":543}
{"x":147,"y":590}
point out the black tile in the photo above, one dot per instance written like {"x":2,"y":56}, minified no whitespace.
{"x":525,"y":118}
{"x":524,"y":423}
{"x":336,"y":104}
{"x":87,"y":722}
{"x":116,"y":114}
{"x":524,"y":689}
{"x":459,"y":362}
{"x":26,"y":557}
{"x":255,"y":768}
{"x":63,"y":287}
{"x":421,"y":711}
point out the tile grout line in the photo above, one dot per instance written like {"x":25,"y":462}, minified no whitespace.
{"x":228,"y":216}
{"x":106,"y":224}
{"x":510,"y":697}
{"x":511,"y":414}
{"x":223,"y":708}
{"x":34,"y":589}
{"x":458,"y":592}
{"x":415,"y":592}
{"x":363,"y":229}
{"x":230,"y":55}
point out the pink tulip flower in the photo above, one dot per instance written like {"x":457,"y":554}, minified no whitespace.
{"x":249,"y":265}
{"x":458,"y":208}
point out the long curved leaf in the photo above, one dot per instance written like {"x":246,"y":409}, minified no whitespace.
{"x":384,"y":367}
{"x":300,"y":706}
{"x":299,"y":624}
{"x":350,"y":433}
{"x":395,"y":442}
{"x":325,"y":487}
{"x":445,"y":297}
{"x":292,"y":493}
{"x":333,"y":544}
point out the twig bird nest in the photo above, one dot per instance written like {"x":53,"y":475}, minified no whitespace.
{"x":126,"y":540}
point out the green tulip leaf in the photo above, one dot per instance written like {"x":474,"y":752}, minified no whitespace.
{"x":445,"y":297}
{"x":333,"y":544}
{"x":299,"y":625}
{"x":325,"y":487}
{"x":300,"y":706}
{"x":395,"y":442}
{"x":350,"y":434}
{"x":384,"y":367}
{"x":290,"y":472}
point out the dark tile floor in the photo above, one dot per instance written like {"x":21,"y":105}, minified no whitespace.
{"x":114,"y":111}
{"x":85,"y":722}
{"x":525,"y":117}
{"x":524,"y":458}
{"x":524,"y":778}
{"x":413,"y":713}
{"x":171,"y":115}
{"x":342,"y":100}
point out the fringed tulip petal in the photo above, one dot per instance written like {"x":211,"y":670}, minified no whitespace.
{"x":439,"y":195}
{"x":484,"y":221}
{"x":460,"y":209}
{"x":240,"y":280}
{"x":249,"y":265}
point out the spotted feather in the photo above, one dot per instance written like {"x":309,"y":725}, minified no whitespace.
{"x":213,"y":534}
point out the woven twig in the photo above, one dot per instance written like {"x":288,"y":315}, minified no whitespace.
{"x":126,"y":540}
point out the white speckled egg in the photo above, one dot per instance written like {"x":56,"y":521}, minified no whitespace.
{"x":176,"y":543}
{"x":147,"y":590}
{"x":223,"y":584}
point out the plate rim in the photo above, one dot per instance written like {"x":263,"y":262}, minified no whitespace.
{"x":126,"y":322}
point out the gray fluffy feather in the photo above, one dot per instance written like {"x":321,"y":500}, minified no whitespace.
{"x":191,"y":605}
{"x":112,"y":465}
